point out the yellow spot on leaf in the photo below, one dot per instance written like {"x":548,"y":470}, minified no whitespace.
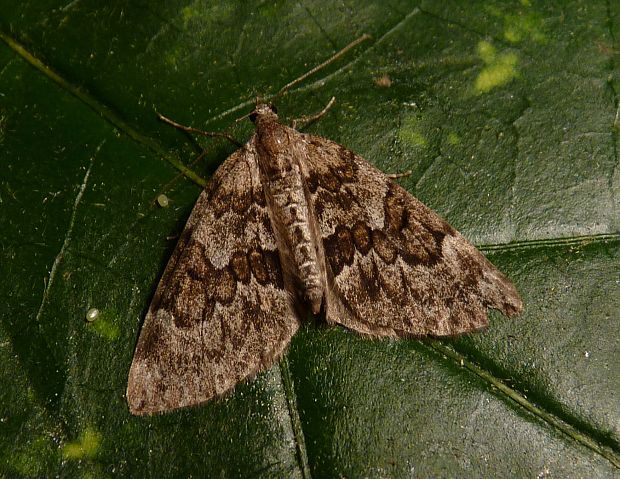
{"x":188,"y":13}
{"x":31,"y":459}
{"x":105,"y":325}
{"x":454,"y":139}
{"x":107,"y":329}
{"x":410,"y":133}
{"x":486,"y":51}
{"x":87,"y":445}
{"x":173,"y":55}
{"x":525,"y":26}
{"x":497,"y":74}
{"x":522,"y":25}
{"x":499,"y":70}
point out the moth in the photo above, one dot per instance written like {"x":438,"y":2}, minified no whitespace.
{"x":291,"y":223}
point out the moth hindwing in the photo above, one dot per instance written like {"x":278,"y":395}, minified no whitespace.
{"x":293,"y":222}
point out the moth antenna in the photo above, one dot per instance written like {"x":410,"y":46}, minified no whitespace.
{"x":237,"y":120}
{"x":330,"y":60}
{"x":197,"y":131}
{"x":307,"y":120}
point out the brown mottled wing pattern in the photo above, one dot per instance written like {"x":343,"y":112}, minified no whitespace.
{"x":394,"y":266}
{"x":221,"y":312}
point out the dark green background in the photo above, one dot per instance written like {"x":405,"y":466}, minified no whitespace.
{"x":506,"y":112}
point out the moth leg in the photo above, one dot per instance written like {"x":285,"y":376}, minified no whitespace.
{"x":399,"y":175}
{"x":189,"y":129}
{"x":307,"y":120}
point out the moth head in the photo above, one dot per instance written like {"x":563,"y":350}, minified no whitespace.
{"x":265,"y":110}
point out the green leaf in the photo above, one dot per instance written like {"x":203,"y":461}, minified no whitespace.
{"x":507,"y":115}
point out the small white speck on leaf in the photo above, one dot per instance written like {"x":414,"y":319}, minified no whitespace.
{"x":162,"y":200}
{"x":92,"y":314}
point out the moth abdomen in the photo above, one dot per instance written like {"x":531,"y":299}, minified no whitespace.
{"x":280,"y":168}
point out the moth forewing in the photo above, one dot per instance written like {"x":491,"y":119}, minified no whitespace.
{"x":221,"y":311}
